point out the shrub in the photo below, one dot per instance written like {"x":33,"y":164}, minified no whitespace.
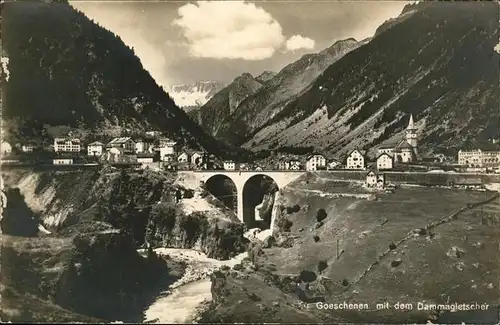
{"x":307,"y":276}
{"x":322,"y":265}
{"x":321,"y":215}
{"x":316,"y":239}
{"x":287,"y":225}
{"x":293,"y":209}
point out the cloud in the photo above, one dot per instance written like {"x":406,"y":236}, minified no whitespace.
{"x":297,"y":42}
{"x":229,"y":30}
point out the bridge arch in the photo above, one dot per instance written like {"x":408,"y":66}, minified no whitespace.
{"x":240,"y":178}
{"x":258,"y":193}
{"x":223,"y":188}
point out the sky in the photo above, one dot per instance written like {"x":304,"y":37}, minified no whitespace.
{"x":183,"y":42}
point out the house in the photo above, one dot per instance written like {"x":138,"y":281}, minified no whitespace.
{"x":67,"y":145}
{"x":405,"y":150}
{"x":294,"y":165}
{"x":231,"y":165}
{"x":315,"y":162}
{"x":283,"y":164}
{"x":168,"y":158}
{"x":62,"y":161}
{"x":5,"y":148}
{"x":153,"y":134}
{"x":197,"y":158}
{"x":333,"y":164}
{"x":95,"y":148}
{"x":380,"y":181}
{"x":356,"y":160}
{"x":145,"y":158}
{"x":29,"y":147}
{"x":166,"y":147}
{"x":371,"y":179}
{"x":125,"y":143}
{"x":140,"y":145}
{"x":183,"y":158}
{"x":385,"y":161}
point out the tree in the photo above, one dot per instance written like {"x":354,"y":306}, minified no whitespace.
{"x":321,"y":215}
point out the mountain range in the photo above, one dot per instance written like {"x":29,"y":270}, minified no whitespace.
{"x":436,"y":60}
{"x":248,"y":98}
{"x":65,"y":70}
{"x":193,"y":96}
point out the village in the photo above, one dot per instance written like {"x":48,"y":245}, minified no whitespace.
{"x":155,"y":151}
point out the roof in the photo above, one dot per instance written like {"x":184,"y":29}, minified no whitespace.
{"x":145,"y":155}
{"x":371,"y":172}
{"x":411,"y":124}
{"x":387,"y":145}
{"x":403,"y":144}
{"x":96,"y":143}
{"x":314,"y":155}
{"x":384,"y":154}
{"x":121,"y":140}
{"x":362,"y":152}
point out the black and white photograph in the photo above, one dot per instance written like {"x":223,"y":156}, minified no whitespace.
{"x":298,"y":161}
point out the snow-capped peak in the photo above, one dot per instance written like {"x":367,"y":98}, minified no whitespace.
{"x":194,"y":95}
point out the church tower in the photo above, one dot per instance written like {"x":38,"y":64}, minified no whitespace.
{"x":411,"y":133}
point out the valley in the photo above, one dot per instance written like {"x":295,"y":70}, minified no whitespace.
{"x":314,"y":162}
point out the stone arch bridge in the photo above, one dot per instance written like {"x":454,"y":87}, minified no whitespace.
{"x":240,"y":178}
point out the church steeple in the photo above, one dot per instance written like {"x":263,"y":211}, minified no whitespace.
{"x":411,"y":134}
{"x":411,"y":124}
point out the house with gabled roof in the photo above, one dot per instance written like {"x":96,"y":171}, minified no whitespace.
{"x":385,"y":161}
{"x":356,"y":159}
{"x":95,"y":148}
{"x":125,"y":143}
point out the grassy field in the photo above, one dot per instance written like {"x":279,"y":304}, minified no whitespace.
{"x":381,"y":259}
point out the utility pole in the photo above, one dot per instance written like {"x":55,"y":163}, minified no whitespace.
{"x":338,"y":248}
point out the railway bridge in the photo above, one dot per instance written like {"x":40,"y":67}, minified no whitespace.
{"x":240,"y":179}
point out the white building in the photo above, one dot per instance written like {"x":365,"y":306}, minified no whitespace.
{"x":197,"y":158}
{"x":62,"y":161}
{"x":295,"y":165}
{"x":356,"y":160}
{"x":125,"y":143}
{"x":67,"y":145}
{"x":385,"y":161}
{"x":315,"y":162}
{"x":95,"y":148}
{"x":333,"y":164}
{"x":405,"y":150}
{"x":167,"y":147}
{"x":479,"y":158}
{"x":371,"y":179}
{"x":5,"y":148}
{"x":183,"y":158}
{"x":231,"y":165}
{"x":140,"y":146}
{"x":28,"y":147}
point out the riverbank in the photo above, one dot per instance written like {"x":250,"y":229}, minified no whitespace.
{"x":182,"y":301}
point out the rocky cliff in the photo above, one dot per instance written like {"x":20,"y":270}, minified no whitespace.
{"x":131,"y":201}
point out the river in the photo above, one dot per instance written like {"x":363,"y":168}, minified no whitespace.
{"x":180,"y":302}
